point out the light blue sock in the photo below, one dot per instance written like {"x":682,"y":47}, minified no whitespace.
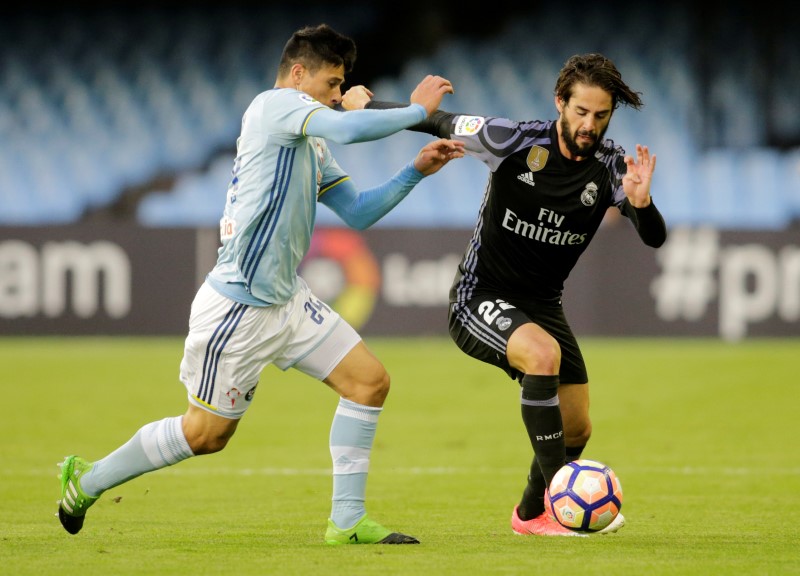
{"x":154,"y":446}
{"x":352,"y":433}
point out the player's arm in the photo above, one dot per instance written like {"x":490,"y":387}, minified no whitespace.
{"x":361,"y":209}
{"x":439,"y":123}
{"x":648,"y":221}
{"x":364,"y":125}
{"x":491,"y":149}
{"x":361,"y":125}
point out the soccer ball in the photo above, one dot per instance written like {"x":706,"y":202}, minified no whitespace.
{"x":584,"y":496}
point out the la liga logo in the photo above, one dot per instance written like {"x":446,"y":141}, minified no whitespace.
{"x":342,"y":271}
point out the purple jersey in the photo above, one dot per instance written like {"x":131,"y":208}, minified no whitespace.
{"x":539,"y":211}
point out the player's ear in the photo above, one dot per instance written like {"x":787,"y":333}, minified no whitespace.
{"x":297,"y":74}
{"x":559,"y":104}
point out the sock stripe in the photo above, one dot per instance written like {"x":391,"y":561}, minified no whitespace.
{"x":170,"y":441}
{"x":358,"y":411}
{"x":357,"y":414}
{"x":549,"y":402}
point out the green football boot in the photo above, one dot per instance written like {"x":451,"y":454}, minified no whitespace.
{"x":365,"y":532}
{"x":74,"y":502}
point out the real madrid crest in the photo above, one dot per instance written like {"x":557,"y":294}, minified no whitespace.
{"x":537,"y":158}
{"x":589,"y":194}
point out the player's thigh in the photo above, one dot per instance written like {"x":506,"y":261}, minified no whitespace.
{"x":324,"y":346}
{"x":551,"y":318}
{"x":321,"y":338}
{"x":482,"y":326}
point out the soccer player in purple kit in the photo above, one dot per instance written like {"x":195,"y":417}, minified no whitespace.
{"x":549,"y":187}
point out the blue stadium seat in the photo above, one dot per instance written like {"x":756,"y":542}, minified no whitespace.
{"x":94,"y":103}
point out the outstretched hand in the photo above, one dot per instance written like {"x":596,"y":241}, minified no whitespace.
{"x":436,"y":154}
{"x":636,"y":183}
{"x":429,"y":93}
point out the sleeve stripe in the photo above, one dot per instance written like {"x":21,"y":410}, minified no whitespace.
{"x":336,"y":182}
{"x":310,"y":114}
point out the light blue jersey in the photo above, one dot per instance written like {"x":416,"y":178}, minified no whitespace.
{"x":278,"y":175}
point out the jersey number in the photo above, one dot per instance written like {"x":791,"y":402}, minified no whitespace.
{"x":315,"y":309}
{"x":490,"y":310}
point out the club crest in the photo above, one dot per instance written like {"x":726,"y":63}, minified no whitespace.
{"x":589,"y":194}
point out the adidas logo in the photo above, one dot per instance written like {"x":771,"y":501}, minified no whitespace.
{"x":527,"y":177}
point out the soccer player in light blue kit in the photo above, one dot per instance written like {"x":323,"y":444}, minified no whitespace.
{"x":254,"y":310}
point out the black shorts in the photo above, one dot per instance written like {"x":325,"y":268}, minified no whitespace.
{"x":481,"y":328}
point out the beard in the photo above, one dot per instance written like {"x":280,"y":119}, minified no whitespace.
{"x":571,"y":140}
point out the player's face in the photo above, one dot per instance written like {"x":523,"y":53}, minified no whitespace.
{"x":324,"y":85}
{"x":583,"y":120}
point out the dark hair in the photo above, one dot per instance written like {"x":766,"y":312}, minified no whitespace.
{"x":596,"y":70}
{"x":314,"y":46}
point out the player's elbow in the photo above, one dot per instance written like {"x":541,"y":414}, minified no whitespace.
{"x":359,"y":224}
{"x":348,"y":133}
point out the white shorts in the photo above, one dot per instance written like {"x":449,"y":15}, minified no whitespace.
{"x":229,"y":345}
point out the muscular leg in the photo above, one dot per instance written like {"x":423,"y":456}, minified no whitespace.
{"x":536,"y":354}
{"x":574,"y":404}
{"x":363,"y":384}
{"x":160,"y":444}
{"x":205,"y":431}
{"x":360,"y":377}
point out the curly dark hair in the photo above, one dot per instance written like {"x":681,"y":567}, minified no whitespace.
{"x":596,"y":70}
{"x":314,"y":46}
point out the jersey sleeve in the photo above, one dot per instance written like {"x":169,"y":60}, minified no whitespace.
{"x":489,"y":139}
{"x":492,"y":140}
{"x":284,"y":113}
{"x":362,"y":125}
{"x":361,"y":209}
{"x":332,"y":173}
{"x":614,"y":158}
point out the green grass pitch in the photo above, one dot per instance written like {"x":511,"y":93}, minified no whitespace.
{"x":703,"y":435}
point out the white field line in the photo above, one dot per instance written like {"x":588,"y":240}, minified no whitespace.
{"x":451,"y":471}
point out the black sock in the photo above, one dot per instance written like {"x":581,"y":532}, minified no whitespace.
{"x":542,"y":418}
{"x":532,"y":503}
{"x":574,"y":452}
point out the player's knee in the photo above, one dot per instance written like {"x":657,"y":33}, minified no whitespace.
{"x":378,"y":388}
{"x":551,"y":355}
{"x":542,"y":356}
{"x":371,"y":389}
{"x":207,"y":435}
{"x":207,"y":443}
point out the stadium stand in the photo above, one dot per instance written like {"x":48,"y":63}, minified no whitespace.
{"x":94,"y":104}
